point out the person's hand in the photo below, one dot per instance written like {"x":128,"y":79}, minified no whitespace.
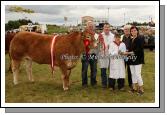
{"x":131,"y":53}
{"x":95,"y":44}
{"x":126,"y":53}
{"x":119,"y":52}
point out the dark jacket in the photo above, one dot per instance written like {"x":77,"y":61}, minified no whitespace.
{"x":127,"y":41}
{"x":137,"y":46}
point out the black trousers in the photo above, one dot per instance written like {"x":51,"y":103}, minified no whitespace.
{"x":120,"y":82}
{"x":104,"y":77}
{"x":129,"y":74}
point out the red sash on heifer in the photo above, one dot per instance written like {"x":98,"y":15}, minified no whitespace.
{"x":36,"y":47}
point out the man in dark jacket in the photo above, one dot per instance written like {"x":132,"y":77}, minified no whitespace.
{"x":126,"y":39}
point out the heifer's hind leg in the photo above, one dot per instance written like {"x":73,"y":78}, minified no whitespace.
{"x":10,"y":64}
{"x":15,"y":69}
{"x":29,"y":69}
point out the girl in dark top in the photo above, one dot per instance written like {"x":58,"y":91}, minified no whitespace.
{"x":136,"y":60}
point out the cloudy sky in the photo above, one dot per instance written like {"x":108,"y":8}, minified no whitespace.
{"x":54,"y":14}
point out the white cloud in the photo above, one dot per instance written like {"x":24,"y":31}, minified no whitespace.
{"x":54,"y":14}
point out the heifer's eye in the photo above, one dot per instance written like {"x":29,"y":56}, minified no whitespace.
{"x":88,"y":37}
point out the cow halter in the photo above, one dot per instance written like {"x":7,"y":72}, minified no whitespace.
{"x":52,"y":53}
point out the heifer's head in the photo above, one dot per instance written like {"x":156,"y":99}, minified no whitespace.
{"x":88,"y":39}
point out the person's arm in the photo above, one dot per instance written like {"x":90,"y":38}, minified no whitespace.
{"x":122,"y":50}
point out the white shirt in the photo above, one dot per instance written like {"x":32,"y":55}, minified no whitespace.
{"x":117,"y":66}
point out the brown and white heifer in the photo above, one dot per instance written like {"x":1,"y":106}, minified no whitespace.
{"x":37,"y":47}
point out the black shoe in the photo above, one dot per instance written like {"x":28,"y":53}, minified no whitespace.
{"x":132,"y":91}
{"x":93,"y":84}
{"x":104,"y":87}
{"x":130,"y":86}
{"x":111,"y":89}
{"x":122,"y":89}
{"x":85,"y":86}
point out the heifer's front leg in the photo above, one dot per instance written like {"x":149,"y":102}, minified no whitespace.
{"x":65,"y":87}
{"x":29,"y":70}
{"x":15,"y":70}
{"x":68,"y":75}
{"x":65,"y":78}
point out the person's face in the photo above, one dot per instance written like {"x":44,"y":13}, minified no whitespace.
{"x":127,"y":31}
{"x":134,"y":32}
{"x":117,"y":38}
{"x":90,"y":26}
{"x":106,"y":29}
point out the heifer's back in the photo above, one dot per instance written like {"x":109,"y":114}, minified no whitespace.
{"x":36,"y":47}
{"x":30,"y":45}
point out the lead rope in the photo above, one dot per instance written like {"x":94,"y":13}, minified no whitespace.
{"x":52,"y":53}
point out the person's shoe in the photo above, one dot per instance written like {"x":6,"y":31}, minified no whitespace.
{"x":111,"y":89}
{"x":132,"y":90}
{"x":140,"y":92}
{"x":104,"y":87}
{"x":85,"y":86}
{"x":122,"y":89}
{"x":130,"y":86}
{"x":135,"y":86}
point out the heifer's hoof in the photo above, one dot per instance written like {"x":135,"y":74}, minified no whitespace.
{"x":15,"y":83}
{"x":66,"y":88}
{"x":32,"y":80}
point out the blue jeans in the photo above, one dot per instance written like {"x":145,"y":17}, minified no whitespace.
{"x":93,"y":66}
{"x":103,"y":77}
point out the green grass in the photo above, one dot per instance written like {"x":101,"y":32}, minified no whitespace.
{"x":56,"y":29}
{"x":48,"y":89}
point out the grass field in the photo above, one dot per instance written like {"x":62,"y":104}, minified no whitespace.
{"x":48,"y":89}
{"x":56,"y":29}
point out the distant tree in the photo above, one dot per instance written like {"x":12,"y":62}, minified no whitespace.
{"x":24,"y":21}
{"x":79,"y":25}
{"x":7,"y":27}
{"x":36,"y":23}
{"x":145,"y":23}
{"x":135,"y":23}
{"x":138,"y":23}
{"x":12,"y":25}
{"x":16,"y":24}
